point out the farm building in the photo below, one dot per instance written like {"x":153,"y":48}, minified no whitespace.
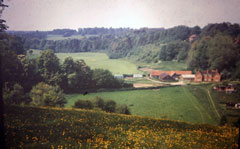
{"x":207,"y":76}
{"x":228,"y":89}
{"x":137,"y":75}
{"x":165,"y":77}
{"x":173,"y":74}
{"x":128,"y":75}
{"x":187,"y":77}
{"x":118,"y":76}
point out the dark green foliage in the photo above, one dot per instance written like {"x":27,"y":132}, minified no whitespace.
{"x":14,"y":96}
{"x":99,"y":102}
{"x":46,"y":95}
{"x":117,"y":43}
{"x":218,"y":51}
{"x":78,"y":76}
{"x":104,"y":79}
{"x":11,"y":68}
{"x":48,"y":63}
{"x":109,"y":106}
{"x":71,"y":76}
{"x":83,"y":104}
{"x":174,"y":50}
{"x":223,"y":120}
{"x":123,"y":109}
{"x":31,"y":75}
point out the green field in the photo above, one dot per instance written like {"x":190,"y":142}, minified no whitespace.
{"x":139,"y":80}
{"x":175,"y":103}
{"x":97,"y":60}
{"x":101,"y":60}
{"x":60,"y":37}
{"x":165,"y":65}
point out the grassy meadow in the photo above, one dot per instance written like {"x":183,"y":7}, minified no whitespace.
{"x":98,"y":60}
{"x":28,"y":127}
{"x":174,"y":103}
{"x":60,"y":37}
{"x":165,"y":65}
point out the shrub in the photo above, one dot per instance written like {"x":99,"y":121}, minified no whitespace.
{"x":46,"y":95}
{"x":83,"y":104}
{"x":123,"y":109}
{"x":99,"y":102}
{"x":109,"y":106}
{"x":14,"y":96}
{"x":223,"y":120}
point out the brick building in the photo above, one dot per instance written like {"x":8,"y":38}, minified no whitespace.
{"x":208,"y":76}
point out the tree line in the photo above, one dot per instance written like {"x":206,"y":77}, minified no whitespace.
{"x":117,"y":43}
{"x":216,"y":46}
{"x":26,"y":79}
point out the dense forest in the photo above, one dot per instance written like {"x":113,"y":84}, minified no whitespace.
{"x":215,"y":46}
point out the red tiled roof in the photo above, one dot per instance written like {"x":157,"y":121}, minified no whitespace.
{"x":158,"y":72}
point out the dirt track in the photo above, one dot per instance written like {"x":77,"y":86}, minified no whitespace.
{"x":141,"y":85}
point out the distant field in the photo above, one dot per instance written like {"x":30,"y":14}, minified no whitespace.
{"x":166,"y":65}
{"x":98,"y":60}
{"x":175,"y":103}
{"x":35,"y":53}
{"x":101,"y":60}
{"x":60,"y":37}
{"x":139,"y":80}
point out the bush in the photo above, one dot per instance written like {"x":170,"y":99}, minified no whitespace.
{"x":223,"y":120}
{"x":83,"y":104}
{"x":123,"y":109}
{"x":99,"y":102}
{"x":109,"y":106}
{"x":14,"y":96}
{"x":46,"y":95}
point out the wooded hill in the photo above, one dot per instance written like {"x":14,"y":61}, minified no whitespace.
{"x":215,"y":46}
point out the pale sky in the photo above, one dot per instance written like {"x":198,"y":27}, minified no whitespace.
{"x":52,"y":14}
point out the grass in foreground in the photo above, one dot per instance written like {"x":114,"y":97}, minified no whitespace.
{"x":28,"y":127}
{"x":175,"y":103}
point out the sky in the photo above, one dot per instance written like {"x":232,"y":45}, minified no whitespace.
{"x":74,"y":14}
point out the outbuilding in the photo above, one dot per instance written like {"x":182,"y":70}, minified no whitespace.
{"x":188,"y":77}
{"x":118,"y":76}
{"x":137,"y":75}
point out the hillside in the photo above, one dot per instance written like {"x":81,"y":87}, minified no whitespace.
{"x":173,"y":103}
{"x":215,"y":46}
{"x":30,"y":127}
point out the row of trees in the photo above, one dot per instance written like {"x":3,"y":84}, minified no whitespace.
{"x":116,"y":42}
{"x":216,"y":45}
{"x":98,"y":103}
{"x":21,"y":74}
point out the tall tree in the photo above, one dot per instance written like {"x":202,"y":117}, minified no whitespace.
{"x":49,"y":67}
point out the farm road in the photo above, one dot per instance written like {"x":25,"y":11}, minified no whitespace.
{"x":159,"y":83}
{"x":213,"y":105}
{"x":168,"y":83}
{"x":194,"y":104}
